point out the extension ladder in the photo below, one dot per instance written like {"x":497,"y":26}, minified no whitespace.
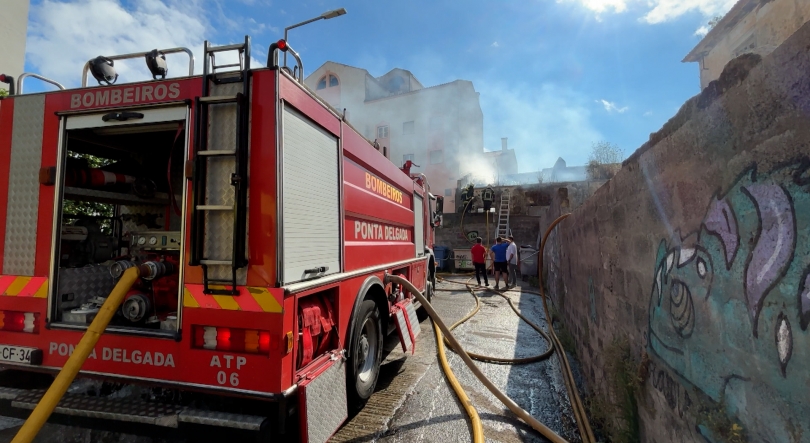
{"x":503,"y":229}
{"x":219,"y":176}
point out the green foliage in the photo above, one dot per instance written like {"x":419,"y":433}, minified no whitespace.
{"x":3,"y":92}
{"x":91,"y":209}
{"x":722,"y":427}
{"x":614,"y":408}
{"x":603,"y":159}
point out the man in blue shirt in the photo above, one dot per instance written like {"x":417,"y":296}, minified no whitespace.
{"x":499,"y":261}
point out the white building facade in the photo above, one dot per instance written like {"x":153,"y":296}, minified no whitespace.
{"x":439,"y":128}
{"x":13,"y":28}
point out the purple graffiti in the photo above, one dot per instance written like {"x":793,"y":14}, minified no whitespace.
{"x":774,"y":245}
{"x":721,"y":221}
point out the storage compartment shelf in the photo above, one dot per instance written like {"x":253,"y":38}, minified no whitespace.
{"x":95,"y":195}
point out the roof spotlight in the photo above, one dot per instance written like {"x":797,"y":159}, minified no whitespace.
{"x":103,"y":71}
{"x":156,"y":62}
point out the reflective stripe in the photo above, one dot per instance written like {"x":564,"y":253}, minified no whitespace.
{"x":23,"y":286}
{"x":250,"y":299}
{"x":17,"y":286}
{"x":188,"y":299}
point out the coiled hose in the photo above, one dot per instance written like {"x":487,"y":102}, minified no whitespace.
{"x":580,"y":415}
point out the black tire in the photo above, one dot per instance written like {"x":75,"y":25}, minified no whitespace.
{"x":430,"y":289}
{"x":365,"y":355}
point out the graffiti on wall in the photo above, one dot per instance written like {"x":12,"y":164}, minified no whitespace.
{"x":676,"y":396}
{"x":730,"y":303}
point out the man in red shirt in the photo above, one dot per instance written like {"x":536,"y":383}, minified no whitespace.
{"x":479,"y":261}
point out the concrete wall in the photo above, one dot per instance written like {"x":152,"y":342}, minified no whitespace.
{"x":760,"y":32}
{"x":13,"y":27}
{"x":698,"y":254}
{"x":524,"y":229}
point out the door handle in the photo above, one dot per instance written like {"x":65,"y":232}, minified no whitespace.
{"x":121,"y":116}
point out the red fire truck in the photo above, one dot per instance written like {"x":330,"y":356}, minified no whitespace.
{"x":268,"y":224}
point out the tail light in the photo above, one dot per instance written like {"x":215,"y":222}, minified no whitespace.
{"x":16,"y":321}
{"x":232,"y":339}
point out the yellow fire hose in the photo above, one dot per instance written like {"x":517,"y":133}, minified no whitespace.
{"x":475,"y":420}
{"x":60,"y":385}
{"x":508,"y":402}
{"x":580,"y":414}
{"x":500,"y":360}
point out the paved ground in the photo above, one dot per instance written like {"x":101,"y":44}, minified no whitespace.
{"x":420,"y":406}
{"x":414,"y":403}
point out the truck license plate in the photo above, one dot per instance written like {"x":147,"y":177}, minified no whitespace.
{"x":19,"y":354}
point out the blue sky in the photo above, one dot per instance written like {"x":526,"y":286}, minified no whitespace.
{"x":554,"y":75}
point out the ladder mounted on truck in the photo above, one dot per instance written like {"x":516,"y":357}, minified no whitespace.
{"x":214,"y":208}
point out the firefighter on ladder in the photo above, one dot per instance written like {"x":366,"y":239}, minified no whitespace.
{"x":487,"y":196}
{"x":464,"y":199}
{"x":470,"y":197}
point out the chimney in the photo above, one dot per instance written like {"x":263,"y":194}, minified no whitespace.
{"x":503,"y":143}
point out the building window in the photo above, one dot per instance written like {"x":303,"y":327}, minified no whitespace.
{"x":331,"y":78}
{"x":407,"y":127}
{"x":448,"y":192}
{"x":382,"y":131}
{"x":436,"y":157}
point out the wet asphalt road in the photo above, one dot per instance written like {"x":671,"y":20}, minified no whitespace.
{"x":413,"y":401}
{"x":427,"y":410}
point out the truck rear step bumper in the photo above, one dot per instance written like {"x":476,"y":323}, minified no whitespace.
{"x":129,"y":411}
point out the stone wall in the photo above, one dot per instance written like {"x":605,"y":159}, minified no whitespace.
{"x":524,"y":229}
{"x":697,"y":253}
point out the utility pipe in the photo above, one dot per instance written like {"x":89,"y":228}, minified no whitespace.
{"x":60,"y":385}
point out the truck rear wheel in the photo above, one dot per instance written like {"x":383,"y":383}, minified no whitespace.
{"x":366,"y":354}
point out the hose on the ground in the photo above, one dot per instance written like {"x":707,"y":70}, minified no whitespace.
{"x":475,"y":420}
{"x":500,"y":360}
{"x":576,"y":402}
{"x":508,"y":402}
{"x":580,"y":414}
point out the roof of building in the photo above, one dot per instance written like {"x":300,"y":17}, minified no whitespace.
{"x":376,"y":80}
{"x":737,"y":13}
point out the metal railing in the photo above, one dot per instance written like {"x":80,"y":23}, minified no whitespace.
{"x":272,"y":58}
{"x":25,"y":75}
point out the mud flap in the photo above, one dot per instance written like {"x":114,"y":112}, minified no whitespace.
{"x":407,"y":325}
{"x":322,"y":401}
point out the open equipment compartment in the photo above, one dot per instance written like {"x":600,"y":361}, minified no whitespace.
{"x":121,"y":204}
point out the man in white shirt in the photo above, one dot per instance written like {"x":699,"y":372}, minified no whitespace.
{"x":512,"y":259}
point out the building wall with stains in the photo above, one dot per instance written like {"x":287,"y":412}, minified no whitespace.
{"x":698,"y":254}
{"x":768,"y":24}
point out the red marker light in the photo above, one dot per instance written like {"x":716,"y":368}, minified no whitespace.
{"x":3,"y":78}
{"x":228,"y":339}
{"x":282,"y":44}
